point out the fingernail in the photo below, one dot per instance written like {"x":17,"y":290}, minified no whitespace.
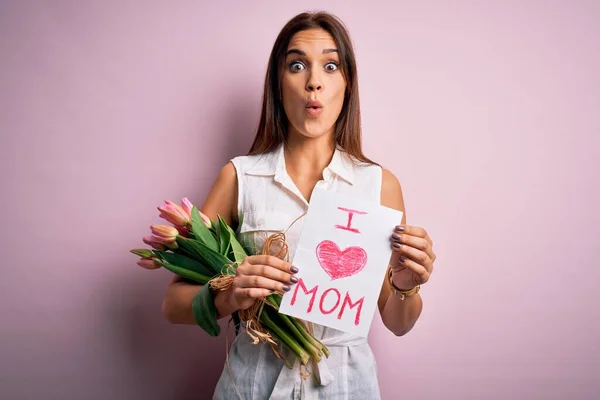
{"x":396,"y":245}
{"x":402,"y":259}
{"x":396,"y":236}
{"x":293,"y":279}
{"x":272,"y":290}
{"x":286,"y":288}
{"x":294,"y":269}
{"x":400,"y":228}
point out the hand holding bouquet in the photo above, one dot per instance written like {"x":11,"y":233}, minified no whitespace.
{"x":207,"y":252}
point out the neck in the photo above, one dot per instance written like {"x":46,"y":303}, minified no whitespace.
{"x":308,"y":157}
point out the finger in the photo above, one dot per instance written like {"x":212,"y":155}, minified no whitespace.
{"x":270,"y":272}
{"x":273,"y":262}
{"x":412,"y":230}
{"x":418,"y":256}
{"x":413,"y":241}
{"x":261,"y":282}
{"x":418,"y":232}
{"x":416,"y":268}
{"x":253,"y":293}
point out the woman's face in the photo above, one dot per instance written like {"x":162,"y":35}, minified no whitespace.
{"x":312,"y":84}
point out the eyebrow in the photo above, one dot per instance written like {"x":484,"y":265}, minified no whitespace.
{"x":300,"y":52}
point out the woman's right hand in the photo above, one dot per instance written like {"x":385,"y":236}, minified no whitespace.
{"x":259,"y":276}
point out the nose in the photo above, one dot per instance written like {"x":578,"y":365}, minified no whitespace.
{"x":313,"y":83}
{"x":311,"y":87}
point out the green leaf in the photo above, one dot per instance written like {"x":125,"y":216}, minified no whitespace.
{"x":205,"y":312}
{"x":216,"y":227}
{"x":237,"y":250}
{"x":224,"y":235}
{"x":201,"y":231}
{"x":186,"y":273}
{"x":208,"y":257}
{"x":185,"y":262}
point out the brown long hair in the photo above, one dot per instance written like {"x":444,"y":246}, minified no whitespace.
{"x":273,"y":125}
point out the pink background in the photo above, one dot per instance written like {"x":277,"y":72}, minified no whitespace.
{"x":488,"y":112}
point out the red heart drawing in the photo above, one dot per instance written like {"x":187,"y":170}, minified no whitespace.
{"x":340,"y":264}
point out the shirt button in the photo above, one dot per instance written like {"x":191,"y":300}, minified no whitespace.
{"x":260,"y":222}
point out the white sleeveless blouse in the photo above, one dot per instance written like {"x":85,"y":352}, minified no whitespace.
{"x":269,"y":202}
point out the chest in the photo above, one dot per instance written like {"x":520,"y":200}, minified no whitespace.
{"x":305,"y":186}
{"x":270,"y":207}
{"x":276,"y":208}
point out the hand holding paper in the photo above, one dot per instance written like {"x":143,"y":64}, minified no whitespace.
{"x":413,"y":258}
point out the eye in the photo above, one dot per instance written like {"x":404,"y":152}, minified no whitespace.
{"x":331,"y":67}
{"x":296,"y":66}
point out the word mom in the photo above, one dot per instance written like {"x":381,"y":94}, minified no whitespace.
{"x":347,"y":302}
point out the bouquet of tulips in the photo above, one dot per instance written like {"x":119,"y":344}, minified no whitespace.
{"x":196,"y":248}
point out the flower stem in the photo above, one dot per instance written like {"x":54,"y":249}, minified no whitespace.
{"x":308,"y":346}
{"x":276,"y":300}
{"x":314,"y":341}
{"x":289,"y":341}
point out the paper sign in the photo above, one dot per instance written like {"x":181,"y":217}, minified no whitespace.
{"x":342,"y":254}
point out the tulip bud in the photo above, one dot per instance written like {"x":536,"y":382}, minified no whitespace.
{"x":163,"y":233}
{"x":147,"y":263}
{"x":149,"y":240}
{"x":187,"y":207}
{"x":173,"y":213}
{"x":144,"y":253}
{"x":205,"y":219}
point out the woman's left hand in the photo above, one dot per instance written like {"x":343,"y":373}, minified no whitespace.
{"x":412,"y":257}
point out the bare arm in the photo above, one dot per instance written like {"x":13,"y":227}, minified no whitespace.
{"x":221,"y":200}
{"x":399,"y":316}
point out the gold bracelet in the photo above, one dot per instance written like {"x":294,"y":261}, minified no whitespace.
{"x":402,"y":293}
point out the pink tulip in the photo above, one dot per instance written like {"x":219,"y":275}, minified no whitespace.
{"x":164,"y":233}
{"x":187,"y":207}
{"x":183,"y":231}
{"x":149,"y":240}
{"x":174,"y":213}
{"x":206,"y":220}
{"x":148,"y":263}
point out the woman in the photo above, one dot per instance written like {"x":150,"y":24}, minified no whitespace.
{"x":308,"y":136}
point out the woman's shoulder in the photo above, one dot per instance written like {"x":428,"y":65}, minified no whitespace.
{"x":387,"y":176}
{"x":366,"y":171}
{"x":248,"y":158}
{"x":391,"y":191}
{"x":246,"y":162}
{"x":387,"y":182}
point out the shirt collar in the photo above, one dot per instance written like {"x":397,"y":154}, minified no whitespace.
{"x":273,"y":164}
